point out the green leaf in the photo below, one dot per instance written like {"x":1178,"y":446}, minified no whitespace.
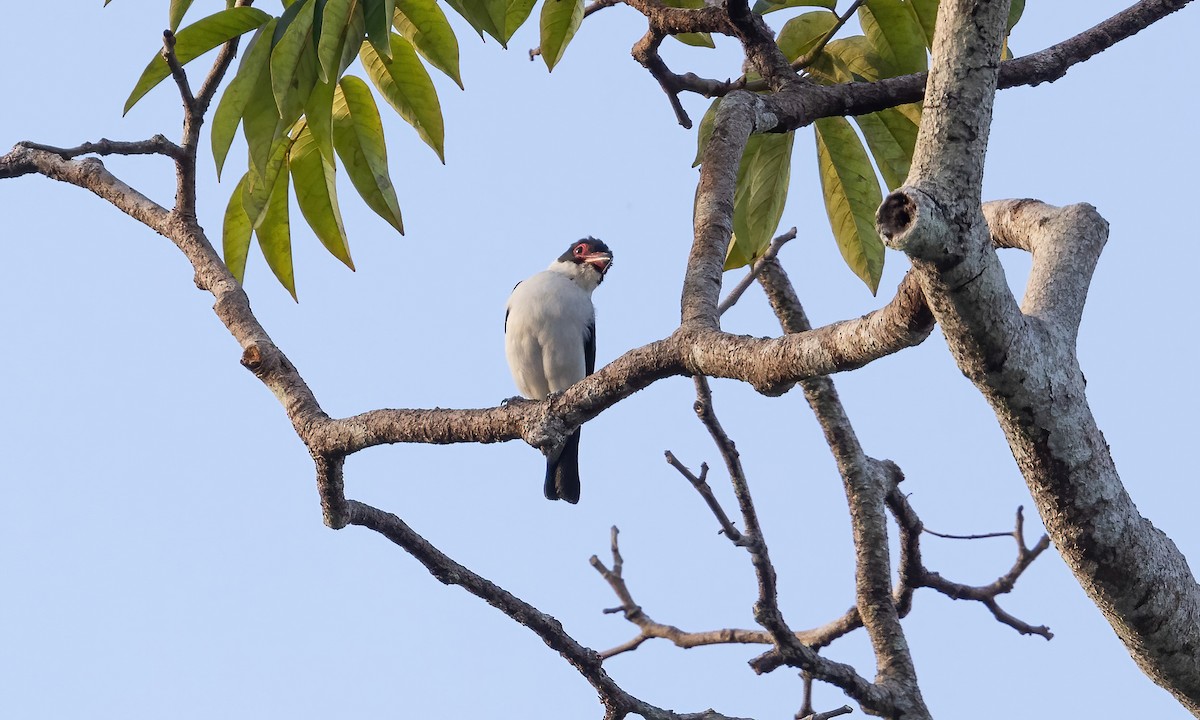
{"x":761,"y":193}
{"x":802,"y":33}
{"x":925,"y":13}
{"x":704,"y":131}
{"x":358,"y":138}
{"x":318,"y":111}
{"x":235,"y":98}
{"x":892,"y":137}
{"x":405,"y":84}
{"x":486,"y":16}
{"x":856,"y":56}
{"x":275,"y":235}
{"x":285,"y":60}
{"x":701,"y":39}
{"x":516,"y":12}
{"x":378,"y":14}
{"x":423,"y":24}
{"x":560,"y":20}
{"x":176,"y":13}
{"x":261,"y":182}
{"x":235,"y":234}
{"x":261,"y":124}
{"x":331,"y":35}
{"x":895,"y":34}
{"x":762,"y":7}
{"x":195,"y":40}
{"x":356,"y":29}
{"x":1015,"y":11}
{"x":316,"y":193}
{"x":852,"y":195}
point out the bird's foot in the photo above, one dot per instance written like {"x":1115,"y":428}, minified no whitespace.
{"x":514,"y":400}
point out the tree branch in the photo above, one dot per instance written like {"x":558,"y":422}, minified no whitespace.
{"x":705,"y":490}
{"x":801,"y":104}
{"x":1023,"y":359}
{"x":157,"y":145}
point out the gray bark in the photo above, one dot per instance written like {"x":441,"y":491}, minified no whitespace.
{"x":1022,"y":359}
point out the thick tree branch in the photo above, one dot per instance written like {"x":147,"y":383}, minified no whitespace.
{"x":1023,"y":359}
{"x":867,"y":483}
{"x":801,"y":104}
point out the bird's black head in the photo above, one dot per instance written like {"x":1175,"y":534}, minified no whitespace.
{"x":591,"y":252}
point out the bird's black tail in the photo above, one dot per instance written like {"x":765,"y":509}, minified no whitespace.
{"x":562,"y":473}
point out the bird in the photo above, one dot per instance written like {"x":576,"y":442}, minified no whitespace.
{"x":550,"y":342}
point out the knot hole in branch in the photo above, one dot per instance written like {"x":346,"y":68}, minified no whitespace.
{"x":895,"y":215}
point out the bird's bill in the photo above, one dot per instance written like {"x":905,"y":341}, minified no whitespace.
{"x":600,"y":259}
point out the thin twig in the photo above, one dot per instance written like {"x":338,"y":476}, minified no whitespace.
{"x":807,"y":58}
{"x":843,"y":710}
{"x":968,"y":537}
{"x":806,"y":706}
{"x":705,"y":490}
{"x":177,"y":71}
{"x":773,"y":249}
{"x":986,"y":594}
{"x":157,"y":145}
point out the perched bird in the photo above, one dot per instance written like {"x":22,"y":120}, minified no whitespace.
{"x":550,"y":342}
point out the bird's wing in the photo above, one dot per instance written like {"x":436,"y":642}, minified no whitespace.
{"x":589,"y":347}
{"x":508,"y":309}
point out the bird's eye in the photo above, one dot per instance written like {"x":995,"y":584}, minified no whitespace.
{"x":579,"y":249}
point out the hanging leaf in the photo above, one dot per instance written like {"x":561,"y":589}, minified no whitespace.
{"x":316,"y":193}
{"x":761,"y":193}
{"x":851,"y":197}
{"x":925,"y":13}
{"x":405,"y":84}
{"x":356,"y":28}
{"x":423,"y":24}
{"x":892,"y":138}
{"x":330,"y":33}
{"x":176,"y":13}
{"x":275,"y":235}
{"x":802,"y":33}
{"x":486,"y":16}
{"x":895,"y":35}
{"x":704,"y":131}
{"x":1015,"y":11}
{"x":762,"y":7}
{"x":235,"y":98}
{"x":358,"y":138}
{"x":285,"y":60}
{"x":195,"y":40}
{"x":378,"y":14}
{"x":318,"y":112}
{"x":261,"y":125}
{"x":516,"y":12}
{"x":235,"y":233}
{"x":261,"y":182}
{"x":560,"y":20}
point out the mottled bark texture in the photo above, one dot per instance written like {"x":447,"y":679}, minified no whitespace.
{"x":1023,"y":359}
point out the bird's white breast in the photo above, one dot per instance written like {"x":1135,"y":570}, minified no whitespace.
{"x":548,"y":317}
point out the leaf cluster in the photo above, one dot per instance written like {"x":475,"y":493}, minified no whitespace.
{"x":895,"y":40}
{"x":304,"y":118}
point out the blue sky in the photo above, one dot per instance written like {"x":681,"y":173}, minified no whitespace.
{"x":163,"y":549}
